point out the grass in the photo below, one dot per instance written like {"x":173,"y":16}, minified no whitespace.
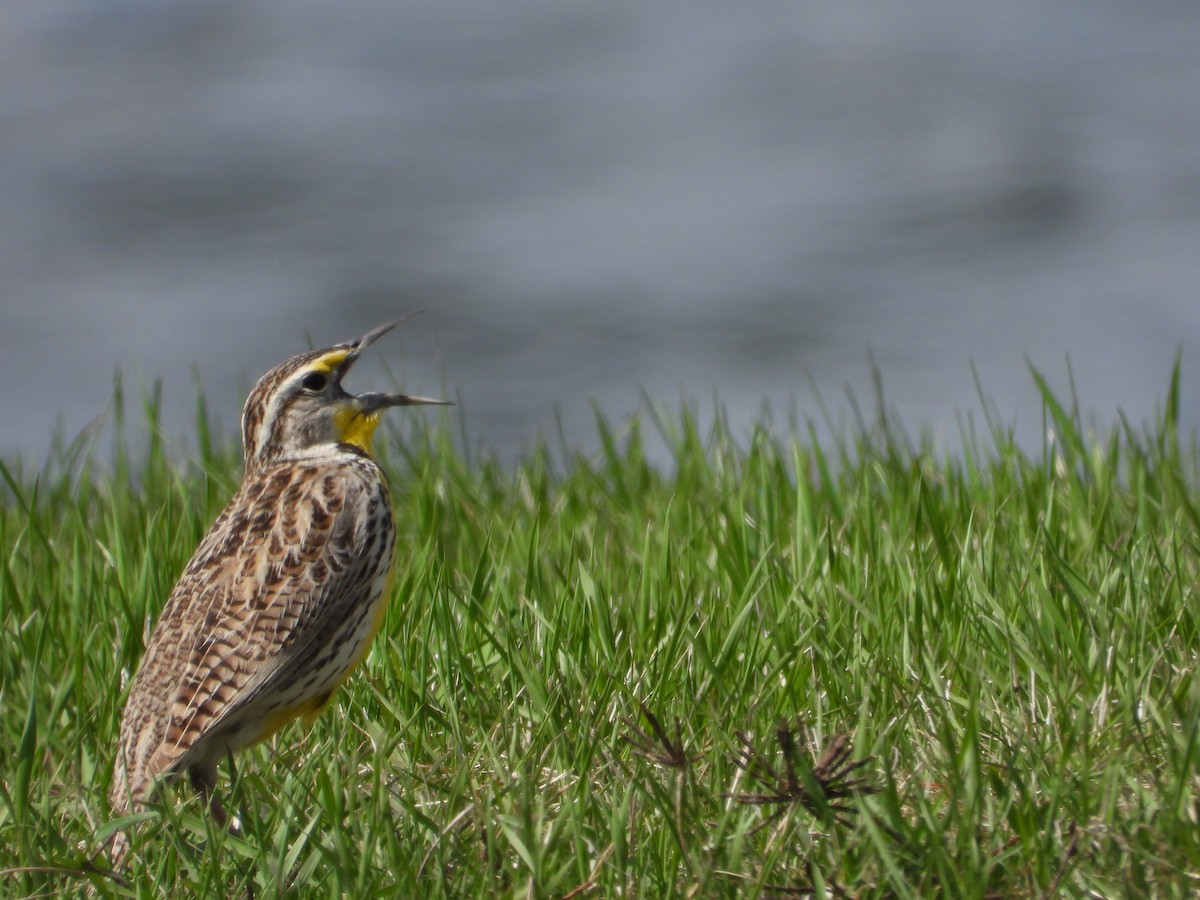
{"x":776,"y":667}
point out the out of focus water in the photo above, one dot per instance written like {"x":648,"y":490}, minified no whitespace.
{"x":596,"y":199}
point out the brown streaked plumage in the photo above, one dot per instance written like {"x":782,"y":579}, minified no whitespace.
{"x":284,"y":594}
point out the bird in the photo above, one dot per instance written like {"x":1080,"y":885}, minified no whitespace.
{"x":283,"y":595}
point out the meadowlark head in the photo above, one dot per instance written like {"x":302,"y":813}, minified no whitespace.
{"x":301,"y":404}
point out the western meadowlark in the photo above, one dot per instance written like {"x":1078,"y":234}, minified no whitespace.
{"x":283,"y":595}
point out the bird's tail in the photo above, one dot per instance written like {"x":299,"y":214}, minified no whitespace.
{"x":125,"y":795}
{"x":118,"y":849}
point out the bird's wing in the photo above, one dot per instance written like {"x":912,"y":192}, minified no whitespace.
{"x":255,"y":594}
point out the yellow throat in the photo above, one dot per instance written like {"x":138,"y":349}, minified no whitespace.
{"x":356,"y":427}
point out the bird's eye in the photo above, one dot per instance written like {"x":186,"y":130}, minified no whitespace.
{"x":314,"y":381}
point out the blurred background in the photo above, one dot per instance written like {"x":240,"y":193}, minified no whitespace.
{"x":595,"y":199}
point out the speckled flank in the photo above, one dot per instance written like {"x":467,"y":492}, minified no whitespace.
{"x":280,"y":600}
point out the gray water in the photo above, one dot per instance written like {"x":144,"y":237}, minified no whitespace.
{"x":595,"y":199}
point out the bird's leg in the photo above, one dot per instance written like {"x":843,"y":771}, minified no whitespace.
{"x":204,"y":782}
{"x":235,"y":824}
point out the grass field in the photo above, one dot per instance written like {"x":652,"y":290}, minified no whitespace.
{"x":774,"y":667}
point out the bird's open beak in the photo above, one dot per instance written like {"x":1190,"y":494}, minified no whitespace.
{"x":372,"y":400}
